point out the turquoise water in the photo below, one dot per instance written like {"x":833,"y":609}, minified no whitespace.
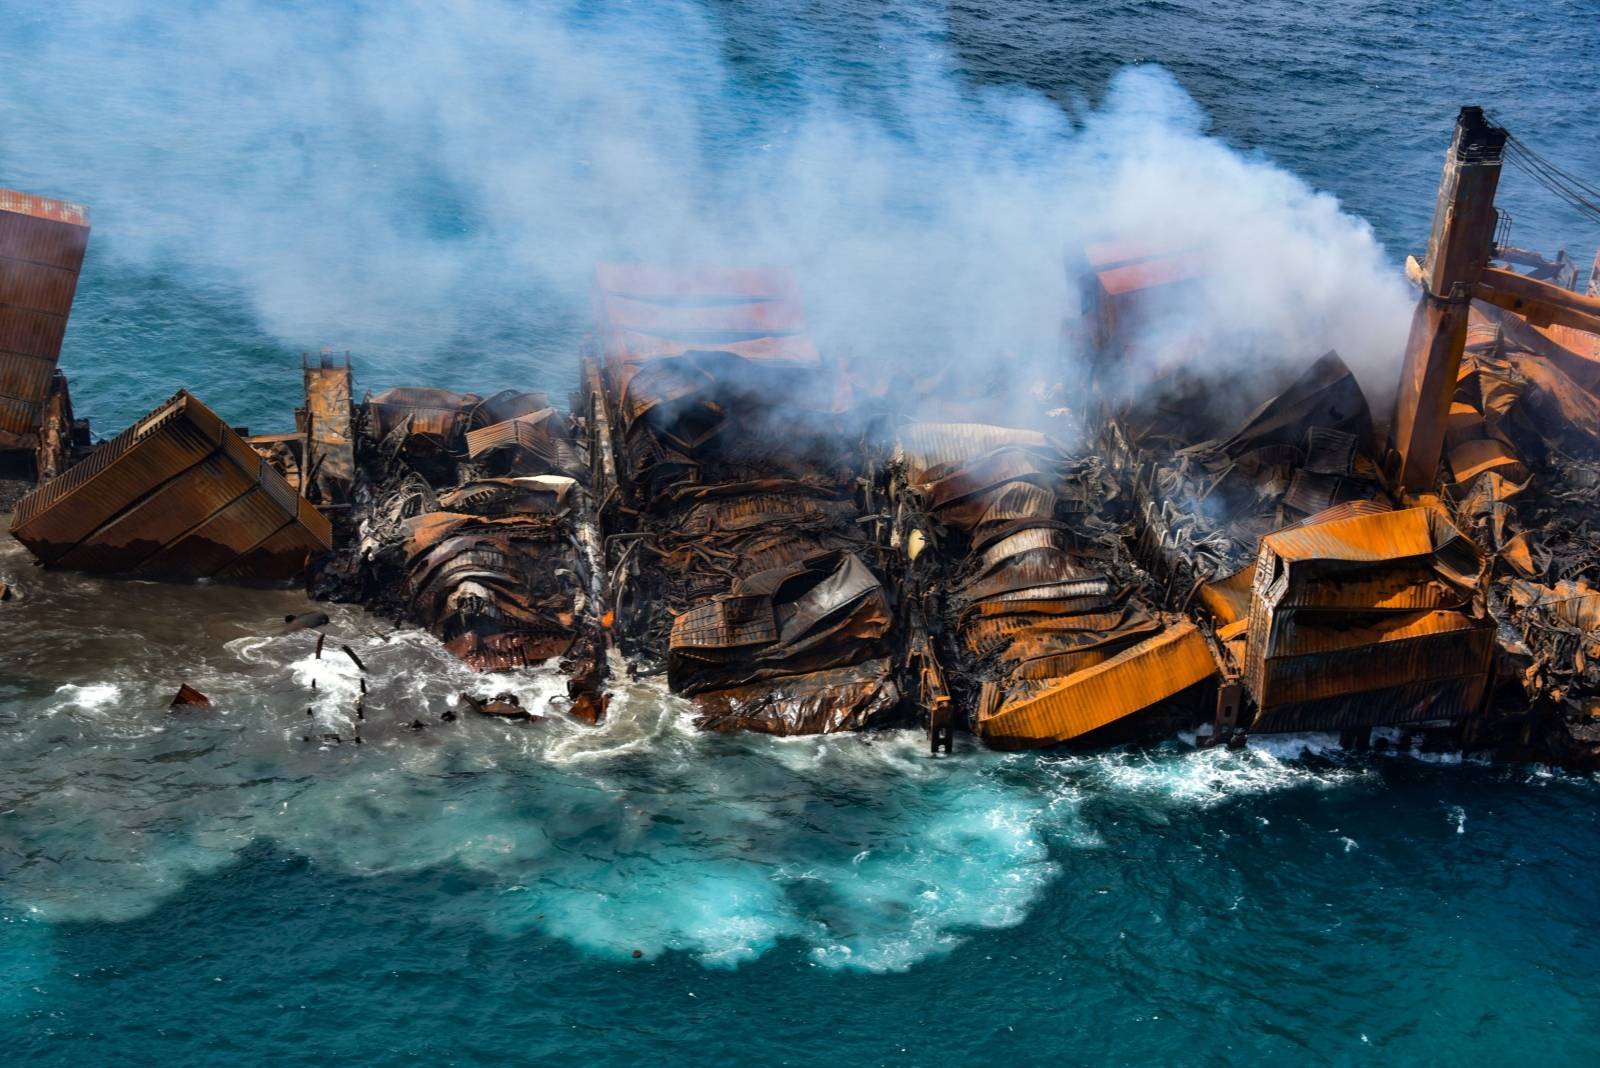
{"x":429,"y":189}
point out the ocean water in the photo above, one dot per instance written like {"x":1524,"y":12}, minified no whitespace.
{"x":427,"y":188}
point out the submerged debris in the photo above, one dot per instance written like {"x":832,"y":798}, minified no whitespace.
{"x":189,"y":697}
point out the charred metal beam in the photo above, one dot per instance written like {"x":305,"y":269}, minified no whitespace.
{"x":1459,"y":248}
{"x":1541,"y":303}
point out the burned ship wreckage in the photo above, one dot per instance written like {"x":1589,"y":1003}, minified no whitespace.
{"x":721,"y":503}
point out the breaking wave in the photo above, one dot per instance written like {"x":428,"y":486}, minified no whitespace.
{"x":643,"y":835}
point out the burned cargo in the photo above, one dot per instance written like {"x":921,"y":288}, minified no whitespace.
{"x":1028,"y":625}
{"x":1522,"y":452}
{"x":726,"y":507}
{"x":733,"y":494}
{"x":488,"y":547}
{"x":1331,"y":606}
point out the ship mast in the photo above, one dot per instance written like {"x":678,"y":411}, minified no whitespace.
{"x":1455,"y":273}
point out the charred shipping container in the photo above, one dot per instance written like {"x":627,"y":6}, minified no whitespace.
{"x":1028,"y":623}
{"x":735,"y":483}
{"x":1331,"y":605}
{"x":177,"y":495}
{"x":471,"y":517}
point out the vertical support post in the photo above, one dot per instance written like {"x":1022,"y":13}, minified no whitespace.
{"x":1459,"y":248}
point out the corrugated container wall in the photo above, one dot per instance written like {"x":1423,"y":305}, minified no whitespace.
{"x":42,"y":242}
{"x":178,"y":495}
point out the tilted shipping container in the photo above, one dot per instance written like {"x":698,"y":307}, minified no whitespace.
{"x":42,"y":242}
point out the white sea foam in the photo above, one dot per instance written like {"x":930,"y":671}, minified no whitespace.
{"x":644,"y":834}
{"x":92,"y":698}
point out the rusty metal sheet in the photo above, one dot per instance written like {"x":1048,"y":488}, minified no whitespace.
{"x":499,"y":592}
{"x":330,"y":459}
{"x":1575,"y":603}
{"x":1022,"y":636}
{"x":1288,"y":633}
{"x":436,"y":413}
{"x":991,"y":471}
{"x":1559,"y":401}
{"x":1028,"y":605}
{"x":1054,"y":666}
{"x":508,"y":404}
{"x":1464,"y":423}
{"x":1430,"y":700}
{"x":1348,"y":605}
{"x":1034,"y":568}
{"x":1292,"y":561}
{"x":24,"y":379}
{"x":839,"y":699}
{"x":777,"y":623}
{"x":1325,"y":398}
{"x":1367,"y":661}
{"x":37,"y":287}
{"x":931,"y":445}
{"x":741,"y":565}
{"x":1228,"y":598}
{"x":1579,"y":342}
{"x":536,"y":443}
{"x":1298,"y":656}
{"x":1478,"y":456}
{"x":1011,"y":545}
{"x":760,"y":509}
{"x":1004,"y":506}
{"x":31,"y":333}
{"x":522,"y":495}
{"x":1148,"y":673}
{"x":176,"y":495}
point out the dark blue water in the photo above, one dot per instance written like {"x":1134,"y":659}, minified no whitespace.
{"x":429,"y":189}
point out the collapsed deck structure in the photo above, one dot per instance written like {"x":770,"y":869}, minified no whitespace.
{"x":1042,"y":635}
{"x":722,"y":505}
{"x":735,"y":497}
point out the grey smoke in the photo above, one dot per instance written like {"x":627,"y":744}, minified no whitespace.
{"x":410,"y":178}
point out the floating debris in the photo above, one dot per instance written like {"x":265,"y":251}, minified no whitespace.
{"x":189,"y":697}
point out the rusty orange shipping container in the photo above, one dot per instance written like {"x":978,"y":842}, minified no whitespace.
{"x":42,"y":242}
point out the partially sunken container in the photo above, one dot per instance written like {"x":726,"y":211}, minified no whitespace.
{"x":178,"y":495}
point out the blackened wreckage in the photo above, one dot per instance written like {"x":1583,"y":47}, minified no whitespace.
{"x":724,"y":504}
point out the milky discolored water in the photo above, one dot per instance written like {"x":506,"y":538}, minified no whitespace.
{"x":234,"y":885}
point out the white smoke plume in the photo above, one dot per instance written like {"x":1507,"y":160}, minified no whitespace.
{"x":430,"y":185}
